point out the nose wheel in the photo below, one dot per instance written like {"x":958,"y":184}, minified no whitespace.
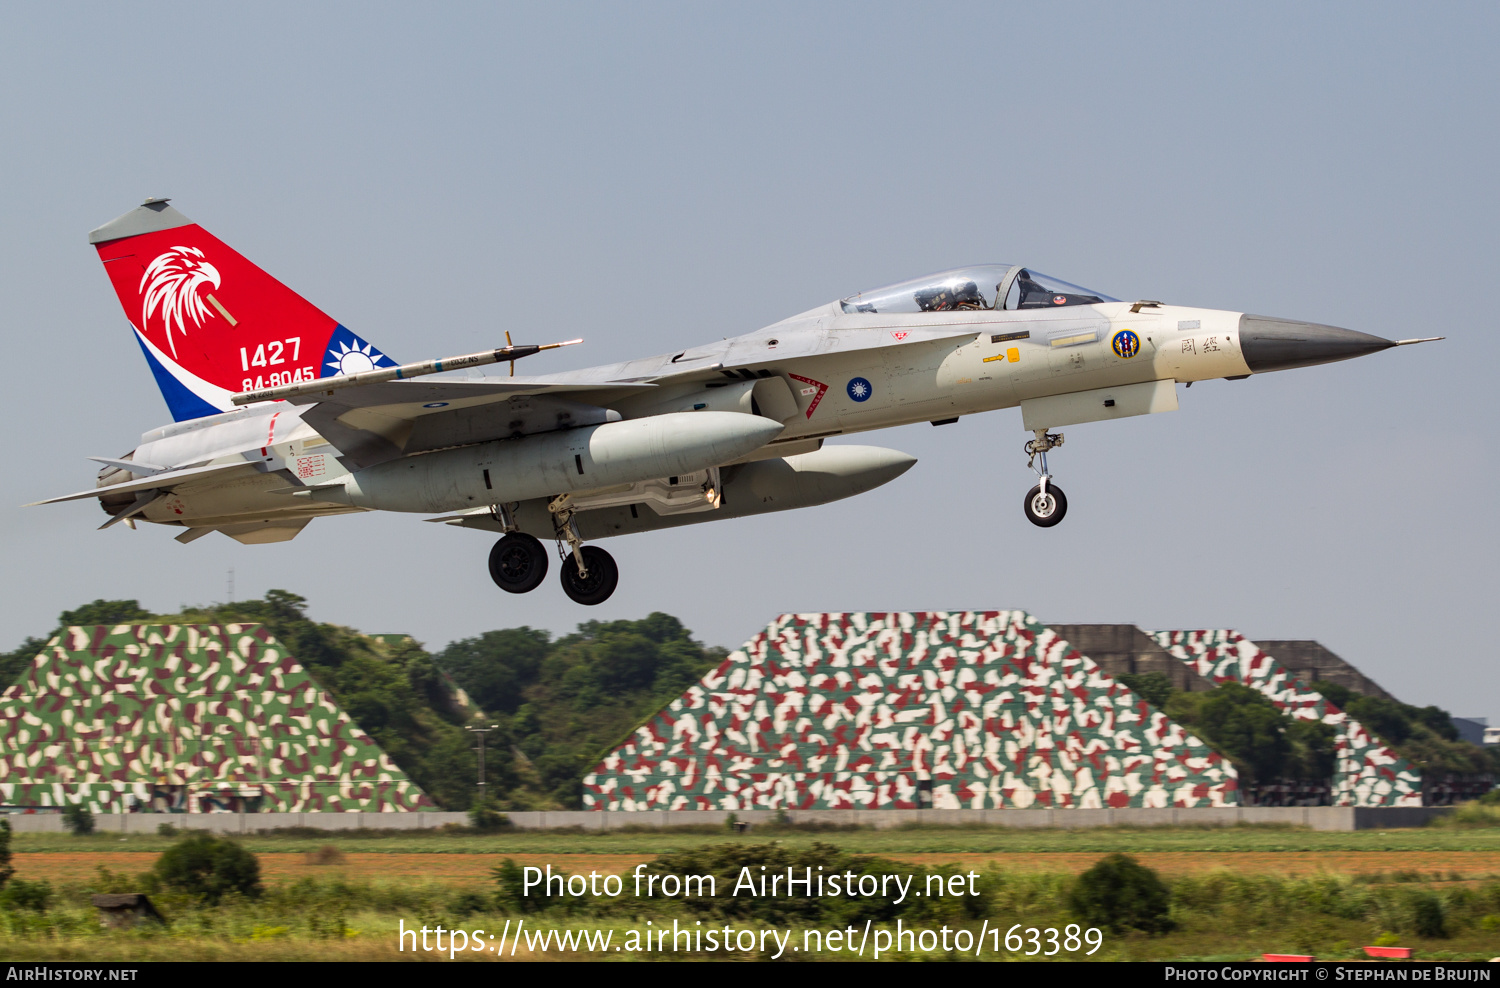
{"x":1045,"y":507}
{"x":1045,"y":503}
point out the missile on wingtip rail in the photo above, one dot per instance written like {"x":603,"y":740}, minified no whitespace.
{"x":328,"y":385}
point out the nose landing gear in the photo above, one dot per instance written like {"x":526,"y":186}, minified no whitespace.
{"x":1045,"y":503}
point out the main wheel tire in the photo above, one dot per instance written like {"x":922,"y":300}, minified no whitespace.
{"x":518,"y":563}
{"x":603,"y":577}
{"x":1046,"y":510}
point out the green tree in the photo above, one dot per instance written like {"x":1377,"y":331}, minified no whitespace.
{"x":13,"y":663}
{"x":1153,"y":687}
{"x":1384,"y":717}
{"x":208,"y":867}
{"x":1426,"y":736}
{"x":1240,"y":723}
{"x":496,"y":667}
{"x":1314,"y":750}
{"x":104,"y":612}
{"x":78,"y":819}
{"x":1119,"y":893}
{"x":587,"y":694}
{"x":1335,"y":694}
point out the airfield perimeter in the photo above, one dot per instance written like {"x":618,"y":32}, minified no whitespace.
{"x":465,"y":858}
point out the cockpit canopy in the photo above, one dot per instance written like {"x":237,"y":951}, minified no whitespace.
{"x":978,"y":287}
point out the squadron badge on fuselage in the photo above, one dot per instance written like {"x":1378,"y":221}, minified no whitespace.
{"x":1126,"y":344}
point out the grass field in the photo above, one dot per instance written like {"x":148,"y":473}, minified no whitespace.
{"x":1235,"y":892}
{"x":460,"y":870}
{"x":922,"y":840}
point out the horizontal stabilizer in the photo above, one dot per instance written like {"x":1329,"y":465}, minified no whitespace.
{"x":259,"y":533}
{"x":139,"y":469}
{"x":161,"y":480}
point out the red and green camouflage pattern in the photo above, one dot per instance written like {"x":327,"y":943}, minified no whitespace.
{"x":194,"y":718}
{"x":1368,"y":773}
{"x":868,"y":710}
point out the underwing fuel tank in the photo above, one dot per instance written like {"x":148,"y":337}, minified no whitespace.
{"x":802,"y":481}
{"x":756,"y":488}
{"x":555,"y":462}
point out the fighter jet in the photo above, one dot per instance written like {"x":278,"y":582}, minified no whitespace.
{"x":282,"y":414}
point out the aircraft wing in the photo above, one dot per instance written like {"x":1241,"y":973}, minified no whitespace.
{"x":425,"y":396}
{"x":756,"y":350}
{"x":165,"y":480}
{"x":373,"y":423}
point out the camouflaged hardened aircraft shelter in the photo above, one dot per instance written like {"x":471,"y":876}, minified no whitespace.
{"x":982,"y":710}
{"x":1368,"y":773}
{"x":186,"y":718}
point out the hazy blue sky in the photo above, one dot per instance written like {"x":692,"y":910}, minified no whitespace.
{"x":669,"y":174}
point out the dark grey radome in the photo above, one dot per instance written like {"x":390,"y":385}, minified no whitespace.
{"x":1281,"y":344}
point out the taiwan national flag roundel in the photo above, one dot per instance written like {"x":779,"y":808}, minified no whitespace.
{"x":860,"y":390}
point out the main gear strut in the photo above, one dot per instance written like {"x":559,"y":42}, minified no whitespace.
{"x":589,"y":574}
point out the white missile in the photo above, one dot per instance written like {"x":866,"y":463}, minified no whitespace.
{"x":328,"y":385}
{"x":553,"y":463}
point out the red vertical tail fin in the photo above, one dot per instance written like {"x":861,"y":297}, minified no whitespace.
{"x":211,"y":323}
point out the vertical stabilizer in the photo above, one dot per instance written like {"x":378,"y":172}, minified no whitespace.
{"x":211,"y":323}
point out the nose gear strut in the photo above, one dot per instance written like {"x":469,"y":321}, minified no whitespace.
{"x":1045,"y":503}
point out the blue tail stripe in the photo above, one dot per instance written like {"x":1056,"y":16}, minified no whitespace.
{"x":181,"y":402}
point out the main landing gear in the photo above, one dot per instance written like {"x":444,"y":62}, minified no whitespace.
{"x":518,"y":562}
{"x":1045,"y":503}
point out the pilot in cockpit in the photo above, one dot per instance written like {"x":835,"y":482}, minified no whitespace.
{"x":948,"y":298}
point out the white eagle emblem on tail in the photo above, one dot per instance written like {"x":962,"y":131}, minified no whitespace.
{"x":171,"y":284}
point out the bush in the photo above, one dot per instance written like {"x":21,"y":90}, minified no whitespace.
{"x":78,"y":820}
{"x":484,"y":818}
{"x":1429,"y":918}
{"x":5,"y":869}
{"x":208,"y":867}
{"x":1119,"y":893}
{"x":165,"y":830}
{"x":21,"y":894}
{"x":509,"y":879}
